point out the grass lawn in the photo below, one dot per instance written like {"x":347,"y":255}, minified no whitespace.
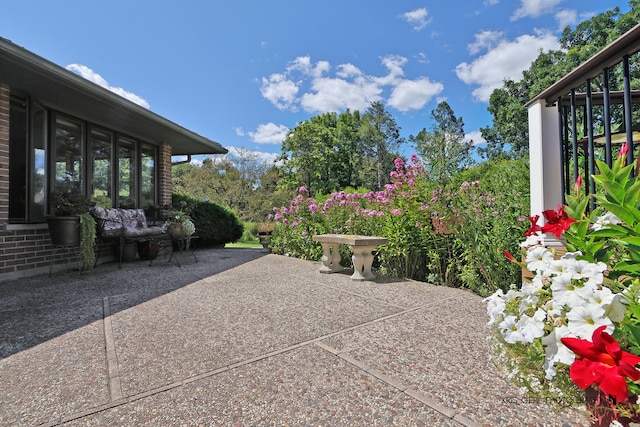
{"x":251,"y":245}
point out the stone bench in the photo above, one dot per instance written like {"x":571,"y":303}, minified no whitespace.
{"x":361,"y":246}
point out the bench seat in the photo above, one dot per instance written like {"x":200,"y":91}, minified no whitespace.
{"x":123,"y":225}
{"x":361,"y":246}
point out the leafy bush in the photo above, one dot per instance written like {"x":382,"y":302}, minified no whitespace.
{"x":215,"y":224}
{"x":450,"y":235}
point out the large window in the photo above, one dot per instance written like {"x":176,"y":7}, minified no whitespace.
{"x":27,"y":169}
{"x":101,"y":150}
{"x":127,"y":173}
{"x":148,"y":172}
{"x":68,"y":154}
{"x":111,"y":170}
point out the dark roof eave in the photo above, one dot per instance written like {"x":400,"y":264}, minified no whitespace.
{"x":626,"y":44}
{"x":62,"y":89}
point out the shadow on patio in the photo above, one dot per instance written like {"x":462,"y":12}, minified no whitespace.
{"x":244,"y":338}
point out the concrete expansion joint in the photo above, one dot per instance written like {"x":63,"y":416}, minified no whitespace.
{"x":450,"y":413}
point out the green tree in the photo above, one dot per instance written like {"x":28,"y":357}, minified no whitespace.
{"x":379,"y":144}
{"x":443,"y":149}
{"x":508,"y":134}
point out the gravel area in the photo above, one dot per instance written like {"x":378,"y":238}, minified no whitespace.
{"x":248,"y":339}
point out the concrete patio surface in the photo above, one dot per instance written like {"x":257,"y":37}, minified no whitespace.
{"x":244,"y":338}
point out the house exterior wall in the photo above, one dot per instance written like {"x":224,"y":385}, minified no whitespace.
{"x":164,"y":175}
{"x":4,"y":152}
{"x":26,"y":249}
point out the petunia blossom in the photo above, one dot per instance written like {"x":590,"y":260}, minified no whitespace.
{"x":602,"y":362}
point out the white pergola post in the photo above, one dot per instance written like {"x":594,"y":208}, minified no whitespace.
{"x":544,"y":158}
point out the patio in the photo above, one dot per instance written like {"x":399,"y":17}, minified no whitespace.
{"x":245,"y":338}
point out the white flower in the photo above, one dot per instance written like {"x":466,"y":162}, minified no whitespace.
{"x":538,"y":258}
{"x":585,"y":319}
{"x":509,"y":329}
{"x":556,"y":351}
{"x":604,"y":220}
{"x":536,"y":239}
{"x":613,"y":304}
{"x":587,"y":270}
{"x":532,"y":327}
{"x":567,"y":291}
{"x":495,"y":307}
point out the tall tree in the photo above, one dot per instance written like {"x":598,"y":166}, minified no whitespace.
{"x":508,"y":135}
{"x":443,"y":149}
{"x":379,"y":142}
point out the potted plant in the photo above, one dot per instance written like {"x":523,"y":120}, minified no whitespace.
{"x":64,"y":223}
{"x":71,"y":224}
{"x":264,"y":231}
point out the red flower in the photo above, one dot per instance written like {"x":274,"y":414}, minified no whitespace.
{"x":624,"y":150}
{"x":557,"y":222}
{"x":534,"y":225}
{"x":509,"y":256}
{"x":604,"y":363}
{"x":577,"y":185}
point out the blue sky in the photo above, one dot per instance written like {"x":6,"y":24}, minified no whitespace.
{"x":244,"y":72}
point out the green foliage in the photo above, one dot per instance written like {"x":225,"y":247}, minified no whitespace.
{"x":484,"y":219}
{"x":507,"y":137}
{"x":443,"y":149}
{"x":68,"y":203}
{"x":215,"y":224}
{"x":87,"y":241}
{"x":329,"y":152}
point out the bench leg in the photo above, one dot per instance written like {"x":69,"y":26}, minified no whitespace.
{"x":362,"y":261}
{"x":330,"y":258}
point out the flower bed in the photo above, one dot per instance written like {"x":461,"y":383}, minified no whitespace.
{"x":575,"y":325}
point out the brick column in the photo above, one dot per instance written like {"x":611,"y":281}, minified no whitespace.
{"x":4,"y":153}
{"x":165,"y":185}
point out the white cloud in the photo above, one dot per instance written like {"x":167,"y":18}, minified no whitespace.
{"x":506,"y":60}
{"x":235,"y":152}
{"x":413,"y":94}
{"x":421,"y":58}
{"x":534,"y":8}
{"x":311,"y":86}
{"x":417,"y":18}
{"x":239,"y":131}
{"x":566,"y":17}
{"x":485,"y":40}
{"x":269,"y":133}
{"x":279,"y":90}
{"x":476,"y":137}
{"x":96,"y":78}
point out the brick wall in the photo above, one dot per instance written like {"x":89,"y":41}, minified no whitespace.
{"x":164,"y":175}
{"x":4,"y":153}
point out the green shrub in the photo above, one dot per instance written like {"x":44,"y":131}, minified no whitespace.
{"x":215,"y":225}
{"x":484,"y":218}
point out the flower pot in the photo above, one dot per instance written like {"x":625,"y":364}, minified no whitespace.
{"x":64,"y":230}
{"x":265,"y":239}
{"x":603,"y":409}
{"x":129,"y":251}
{"x":148,"y":249}
{"x":175,"y":230}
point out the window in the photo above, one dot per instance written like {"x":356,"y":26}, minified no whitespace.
{"x":101,"y":149}
{"x":68,"y":167}
{"x":127,"y":173}
{"x":18,"y":148}
{"x":27,"y":171}
{"x":73,"y":155}
{"x":148,"y":171}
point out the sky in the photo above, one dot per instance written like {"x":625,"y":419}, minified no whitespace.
{"x":245,"y":72}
